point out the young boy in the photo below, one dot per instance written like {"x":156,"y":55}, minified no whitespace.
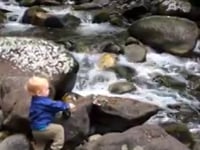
{"x":42,"y":112}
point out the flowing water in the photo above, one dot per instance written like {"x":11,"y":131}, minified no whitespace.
{"x":91,"y":80}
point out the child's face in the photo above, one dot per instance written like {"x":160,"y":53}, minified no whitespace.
{"x":44,"y":90}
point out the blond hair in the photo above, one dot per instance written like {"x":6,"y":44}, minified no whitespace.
{"x":35,"y":84}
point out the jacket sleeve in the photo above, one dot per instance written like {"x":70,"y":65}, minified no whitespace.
{"x":56,"y":106}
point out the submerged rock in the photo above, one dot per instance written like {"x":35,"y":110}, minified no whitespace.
{"x":2,"y":17}
{"x":121,"y":87}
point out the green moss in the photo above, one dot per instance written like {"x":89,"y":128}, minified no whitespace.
{"x":2,"y":17}
{"x":116,"y":20}
{"x":101,"y":17}
{"x":180,"y":132}
{"x":170,"y":82}
{"x":124,"y":72}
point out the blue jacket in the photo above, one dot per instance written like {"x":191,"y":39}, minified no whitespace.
{"x":43,"y":110}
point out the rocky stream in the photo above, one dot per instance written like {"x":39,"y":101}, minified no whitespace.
{"x":132,"y":67}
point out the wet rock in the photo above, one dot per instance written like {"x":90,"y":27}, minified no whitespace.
{"x":37,"y":16}
{"x":102,"y":16}
{"x":112,"y":114}
{"x":173,"y":7}
{"x":107,"y":60}
{"x":124,"y":72}
{"x":180,"y":132}
{"x":2,"y":17}
{"x":34,"y":15}
{"x":116,"y":19}
{"x":87,"y":6}
{"x":171,"y":34}
{"x":194,"y":82}
{"x":26,"y":2}
{"x":135,"y":53}
{"x":111,"y":47}
{"x":171,"y":81}
{"x":121,"y":87}
{"x":53,"y":22}
{"x":148,"y":137}
{"x":71,"y":21}
{"x":15,"y":142}
{"x":78,"y":2}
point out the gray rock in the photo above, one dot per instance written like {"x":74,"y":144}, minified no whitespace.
{"x":112,"y":114}
{"x":15,"y":142}
{"x":135,"y":53}
{"x":121,"y":87}
{"x":171,"y":34}
{"x":145,"y":137}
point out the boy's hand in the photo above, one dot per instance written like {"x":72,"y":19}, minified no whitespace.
{"x":72,"y":106}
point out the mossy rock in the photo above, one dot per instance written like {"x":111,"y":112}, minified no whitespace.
{"x":81,"y":47}
{"x":124,"y":72}
{"x":194,"y":82}
{"x":116,"y":20}
{"x":180,"y":132}
{"x":2,"y":17}
{"x":30,"y":14}
{"x":169,"y":81}
{"x":27,"y":2}
{"x":102,"y":16}
{"x":121,"y":87}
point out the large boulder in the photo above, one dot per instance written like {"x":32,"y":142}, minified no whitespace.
{"x":37,"y":16}
{"x":23,"y":57}
{"x":145,"y":137}
{"x":112,"y":114}
{"x":171,"y":34}
{"x":77,"y":127}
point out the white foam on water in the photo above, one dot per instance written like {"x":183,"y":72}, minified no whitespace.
{"x":95,"y":81}
{"x":15,"y":26}
{"x":95,"y":29}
